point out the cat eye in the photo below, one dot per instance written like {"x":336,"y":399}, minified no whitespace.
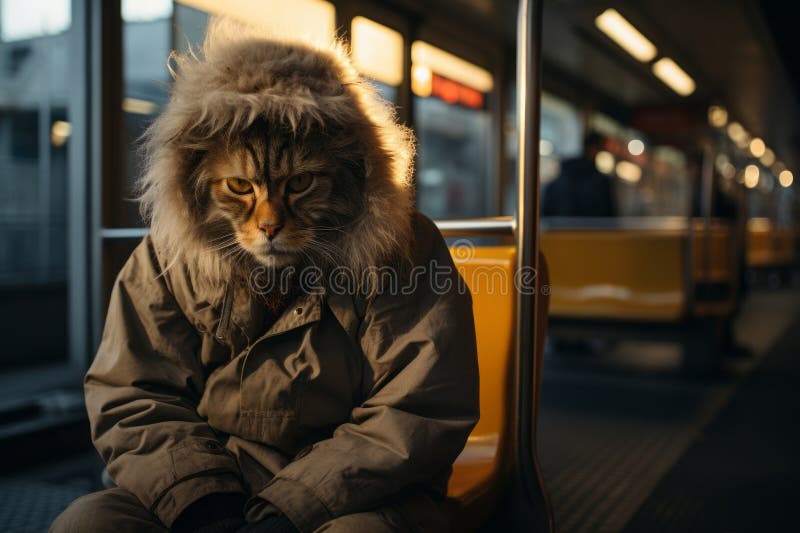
{"x":300,"y":182}
{"x":239,"y":186}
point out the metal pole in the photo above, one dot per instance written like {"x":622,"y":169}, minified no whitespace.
{"x":528,"y":474}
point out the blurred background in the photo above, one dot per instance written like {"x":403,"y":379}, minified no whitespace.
{"x":669,"y":150}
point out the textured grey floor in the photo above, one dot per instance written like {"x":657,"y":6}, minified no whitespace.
{"x":30,"y":507}
{"x":611,"y":428}
{"x":30,"y":500}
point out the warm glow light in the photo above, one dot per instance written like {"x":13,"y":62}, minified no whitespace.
{"x":451,"y":67}
{"x":736,"y":132}
{"x":59,"y":133}
{"x":624,"y":34}
{"x":768,"y":158}
{"x":636,"y":147}
{"x":377,"y":51}
{"x":136,"y":106}
{"x":786,"y":178}
{"x":604,"y":162}
{"x":313,"y":20}
{"x":717,"y":116}
{"x":421,"y":80}
{"x":629,"y":172}
{"x":751,"y":174}
{"x":728,"y":171}
{"x":545,"y":147}
{"x":674,"y":76}
{"x":757,"y":147}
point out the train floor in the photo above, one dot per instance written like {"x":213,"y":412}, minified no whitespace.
{"x":629,"y":444}
{"x":626,"y":442}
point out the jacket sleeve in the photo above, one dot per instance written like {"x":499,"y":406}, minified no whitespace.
{"x":141,"y":394}
{"x":423,"y":403}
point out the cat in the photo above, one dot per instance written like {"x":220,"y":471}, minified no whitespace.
{"x":274,"y":157}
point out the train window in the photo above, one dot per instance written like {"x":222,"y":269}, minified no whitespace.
{"x":147,"y":39}
{"x":36,"y":51}
{"x":378,"y":53}
{"x":561,"y":133}
{"x":641,"y":178}
{"x":453,"y":127}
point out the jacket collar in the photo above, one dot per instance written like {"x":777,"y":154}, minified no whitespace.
{"x":248,"y":314}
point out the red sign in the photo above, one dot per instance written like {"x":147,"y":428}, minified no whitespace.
{"x":455,"y":93}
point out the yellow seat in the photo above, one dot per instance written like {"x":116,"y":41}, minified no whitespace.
{"x":488,"y":272}
{"x":617,"y":273}
{"x":768,"y":245}
{"x":482,"y":467}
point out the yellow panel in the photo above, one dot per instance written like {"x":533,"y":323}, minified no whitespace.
{"x":377,"y":51}
{"x":488,"y":272}
{"x":624,"y":274}
{"x":768,"y":245}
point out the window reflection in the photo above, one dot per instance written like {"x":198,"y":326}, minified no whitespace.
{"x":147,"y":41}
{"x":35,"y":128}
{"x":452,"y":125}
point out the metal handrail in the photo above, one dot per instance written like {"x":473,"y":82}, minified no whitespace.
{"x":477,"y":227}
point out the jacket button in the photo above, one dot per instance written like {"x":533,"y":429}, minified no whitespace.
{"x":213,"y":446}
{"x":298,"y":311}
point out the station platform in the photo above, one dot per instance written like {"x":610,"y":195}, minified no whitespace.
{"x":627,"y":443}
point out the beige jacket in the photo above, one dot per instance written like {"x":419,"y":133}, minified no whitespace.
{"x":342,"y":404}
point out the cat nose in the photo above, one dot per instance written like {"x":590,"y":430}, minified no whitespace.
{"x":270,"y":229}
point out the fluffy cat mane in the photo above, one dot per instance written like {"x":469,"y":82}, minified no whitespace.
{"x":239,"y":76}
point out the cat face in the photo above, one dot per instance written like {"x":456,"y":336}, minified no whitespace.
{"x":281,"y":199}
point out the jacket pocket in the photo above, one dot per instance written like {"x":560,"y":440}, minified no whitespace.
{"x":269,"y":399}
{"x":267,"y":389}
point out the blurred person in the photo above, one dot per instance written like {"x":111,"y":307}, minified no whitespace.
{"x":580,"y":190}
{"x":223,"y":403}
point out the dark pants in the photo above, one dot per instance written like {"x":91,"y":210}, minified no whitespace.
{"x":118,"y":511}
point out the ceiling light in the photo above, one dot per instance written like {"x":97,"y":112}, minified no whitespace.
{"x":728,"y":171}
{"x":751,"y":173}
{"x":421,"y":81}
{"x":736,"y":132}
{"x":604,"y":162}
{"x":757,"y":147}
{"x":629,"y":172}
{"x":636,"y":147}
{"x":60,"y":132}
{"x":717,"y":116}
{"x":674,"y":76}
{"x":624,"y":34}
{"x":768,"y":158}
{"x":786,"y":178}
